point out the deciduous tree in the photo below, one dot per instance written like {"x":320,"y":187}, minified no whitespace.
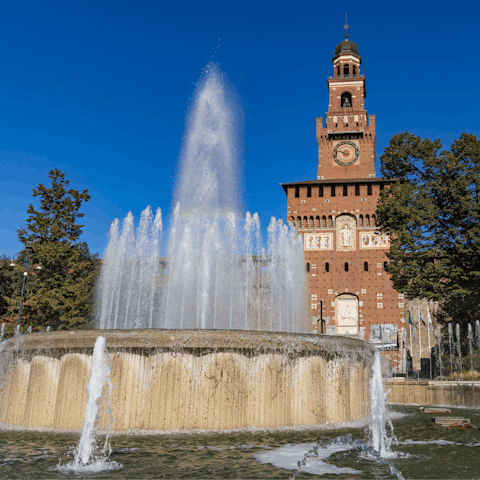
{"x":432,"y":214}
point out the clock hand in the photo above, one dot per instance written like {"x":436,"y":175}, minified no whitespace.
{"x":345,"y":153}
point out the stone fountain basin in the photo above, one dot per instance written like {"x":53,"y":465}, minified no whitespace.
{"x":181,"y":380}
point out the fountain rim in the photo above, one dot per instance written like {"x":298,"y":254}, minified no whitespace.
{"x":173,"y":339}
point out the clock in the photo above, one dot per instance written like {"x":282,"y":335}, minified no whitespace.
{"x":346,"y":153}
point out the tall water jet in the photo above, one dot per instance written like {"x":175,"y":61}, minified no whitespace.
{"x":459,"y":351}
{"x":218,"y":273}
{"x":86,"y":458}
{"x":378,"y":400}
{"x":439,"y":352}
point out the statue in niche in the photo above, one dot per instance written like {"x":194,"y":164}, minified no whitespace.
{"x":346,"y":235}
{"x":366,"y":240}
{"x":327,"y":242}
{"x":319,"y":242}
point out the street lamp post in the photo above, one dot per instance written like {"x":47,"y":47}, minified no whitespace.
{"x":26,"y":264}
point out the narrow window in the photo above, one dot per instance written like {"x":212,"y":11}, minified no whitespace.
{"x":385,"y":265}
{"x":357,"y":190}
{"x":382,"y":186}
{"x":327,"y":267}
{"x":320,"y":191}
{"x":309,"y":191}
{"x":345,"y":190}
{"x":307,"y":267}
{"x":354,"y":70}
{"x":346,"y":70}
{"x":346,"y":266}
{"x":369,"y":189}
{"x":332,"y":193}
{"x":297,"y":192}
{"x":365,"y":266}
{"x":338,"y":71}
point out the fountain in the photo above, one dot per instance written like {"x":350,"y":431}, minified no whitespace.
{"x":210,"y":336}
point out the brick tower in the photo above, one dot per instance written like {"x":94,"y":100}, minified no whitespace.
{"x":335,"y":214}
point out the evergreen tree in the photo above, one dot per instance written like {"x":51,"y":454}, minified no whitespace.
{"x":60,"y":294}
{"x":7,"y":284}
{"x":432,"y":214}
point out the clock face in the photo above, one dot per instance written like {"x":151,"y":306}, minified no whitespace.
{"x":345,"y":153}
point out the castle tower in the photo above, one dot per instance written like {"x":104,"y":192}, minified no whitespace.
{"x":350,"y":291}
{"x":346,"y":144}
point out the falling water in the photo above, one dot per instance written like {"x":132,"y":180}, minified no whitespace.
{"x":218,"y":273}
{"x":87,"y":459}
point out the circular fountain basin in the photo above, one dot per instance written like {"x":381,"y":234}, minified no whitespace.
{"x":181,"y":380}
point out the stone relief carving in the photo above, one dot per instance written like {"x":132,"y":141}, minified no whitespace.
{"x":318,"y":241}
{"x":372,"y":240}
{"x":347,"y":315}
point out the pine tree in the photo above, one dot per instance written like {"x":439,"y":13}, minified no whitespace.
{"x":432,"y":214}
{"x":60,"y":294}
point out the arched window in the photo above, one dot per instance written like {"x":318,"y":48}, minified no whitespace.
{"x":346,"y":266}
{"x":374,"y":220}
{"x":325,"y":221}
{"x":338,"y":71}
{"x":365,"y":266}
{"x":292,"y":222}
{"x":330,"y":221}
{"x":319,"y":224}
{"x":346,"y":99}
{"x":367,"y":220}
{"x":346,"y":70}
{"x":354,"y":70}
{"x":327,"y":267}
{"x":305,"y":222}
{"x":311,"y":223}
{"x":362,"y":224}
{"x":299,"y":222}
{"x":307,"y":267}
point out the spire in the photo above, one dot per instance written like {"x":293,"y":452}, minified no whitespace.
{"x":346,"y":27}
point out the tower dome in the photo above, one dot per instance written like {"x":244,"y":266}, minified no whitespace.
{"x":346,"y":47}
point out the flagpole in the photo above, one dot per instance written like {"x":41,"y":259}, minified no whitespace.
{"x":410,"y":323}
{"x":419,"y":342}
{"x":429,"y":323}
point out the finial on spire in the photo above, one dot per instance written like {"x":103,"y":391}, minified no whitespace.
{"x":346,"y":27}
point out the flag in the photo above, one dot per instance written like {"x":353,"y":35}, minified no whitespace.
{"x":429,"y":318}
{"x":409,"y":317}
{"x":420,"y":319}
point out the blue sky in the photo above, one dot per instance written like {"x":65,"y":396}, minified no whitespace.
{"x":100,"y":90}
